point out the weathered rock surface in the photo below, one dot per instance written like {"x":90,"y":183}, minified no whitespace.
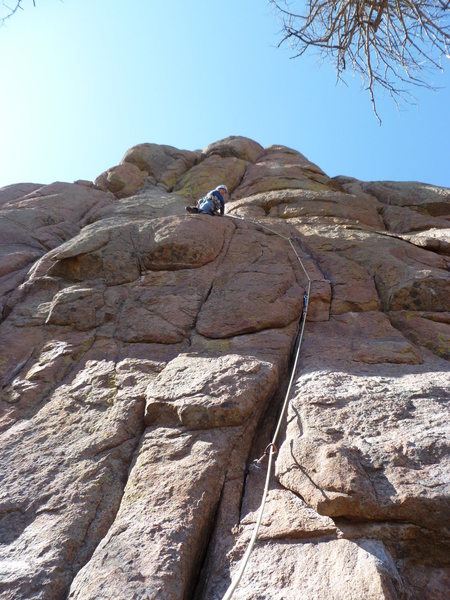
{"x":164,"y":164}
{"x":280,"y":168}
{"x":425,"y":198}
{"x":402,"y":220}
{"x":34,"y":219}
{"x":197,"y":181}
{"x":394,"y":470}
{"x":332,"y":569}
{"x":123,"y":180}
{"x":240,"y":147}
{"x":436,"y":240}
{"x":144,"y":356}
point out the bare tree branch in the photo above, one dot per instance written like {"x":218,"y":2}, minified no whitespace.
{"x":390,"y":43}
{"x":8,"y":11}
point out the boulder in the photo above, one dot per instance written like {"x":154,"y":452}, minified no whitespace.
{"x":179,"y":512}
{"x":210,"y":173}
{"x":123,"y":180}
{"x":405,"y":276}
{"x":165,"y":164}
{"x":281,"y":168}
{"x":238,"y":146}
{"x":425,"y":198}
{"x":210,"y":399}
{"x":86,"y":182}
{"x":67,"y":467}
{"x":399,"y":219}
{"x":119,"y":251}
{"x":305,"y":204}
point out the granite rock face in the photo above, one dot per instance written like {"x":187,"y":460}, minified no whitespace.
{"x":144,"y":357}
{"x":123,"y":181}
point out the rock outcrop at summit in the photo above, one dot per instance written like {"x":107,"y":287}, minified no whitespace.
{"x":144,"y":358}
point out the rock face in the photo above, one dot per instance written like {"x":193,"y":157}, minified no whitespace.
{"x":123,"y":180}
{"x":144,"y":356}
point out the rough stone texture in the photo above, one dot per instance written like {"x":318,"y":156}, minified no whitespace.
{"x":165,"y":164}
{"x":149,"y":203}
{"x":204,"y":405}
{"x":123,"y":180}
{"x":34,"y":219}
{"x":17,"y":190}
{"x":402,"y":220}
{"x":240,"y":147}
{"x":279,"y":168}
{"x":210,"y":173}
{"x":405,"y":276}
{"x":387,"y":460}
{"x":251,"y":294}
{"x":177,"y":516}
{"x":437,"y":240}
{"x":330,"y":205}
{"x":333,"y":569}
{"x":144,"y":356}
{"x":67,"y":466}
{"x":431,"y":330}
{"x":427,"y":199}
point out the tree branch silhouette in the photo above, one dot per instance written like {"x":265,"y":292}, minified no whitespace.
{"x":391,"y":44}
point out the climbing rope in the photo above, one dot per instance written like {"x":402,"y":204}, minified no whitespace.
{"x":271,"y":449}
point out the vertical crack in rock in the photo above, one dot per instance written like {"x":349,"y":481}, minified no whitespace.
{"x":7,"y":380}
{"x":89,"y":546}
{"x":168,"y":408}
{"x":92,"y":530}
{"x":114,"y":500}
{"x":236,"y":491}
{"x":265,"y":430}
{"x":221,"y":258}
{"x":137,"y":254}
{"x":102,"y":464}
{"x":390,"y":585}
{"x":201,"y":575}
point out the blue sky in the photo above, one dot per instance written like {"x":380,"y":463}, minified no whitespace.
{"x":84,"y":80}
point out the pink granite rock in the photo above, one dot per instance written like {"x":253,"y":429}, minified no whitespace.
{"x":123,"y":180}
{"x":35,"y":219}
{"x":238,"y":146}
{"x":144,"y":357}
{"x":280,"y":168}
{"x":164,"y":163}
{"x":210,"y":173}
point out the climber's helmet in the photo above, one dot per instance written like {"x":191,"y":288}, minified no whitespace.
{"x":221,"y":188}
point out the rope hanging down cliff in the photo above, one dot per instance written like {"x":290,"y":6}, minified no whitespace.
{"x":271,"y":449}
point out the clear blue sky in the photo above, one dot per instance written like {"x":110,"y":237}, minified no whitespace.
{"x":84,"y":80}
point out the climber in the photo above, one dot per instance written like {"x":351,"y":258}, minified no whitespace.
{"x":213,"y":203}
